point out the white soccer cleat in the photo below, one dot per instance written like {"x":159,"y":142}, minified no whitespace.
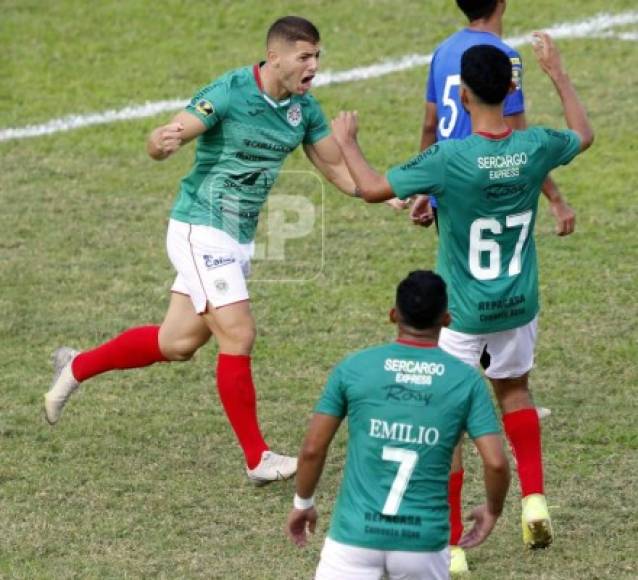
{"x":543,"y":412}
{"x":272,"y":467}
{"x":63,"y":385}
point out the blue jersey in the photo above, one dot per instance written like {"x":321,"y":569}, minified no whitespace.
{"x":445,"y":78}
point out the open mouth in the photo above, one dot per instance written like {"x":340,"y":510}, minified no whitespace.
{"x":306,"y":82}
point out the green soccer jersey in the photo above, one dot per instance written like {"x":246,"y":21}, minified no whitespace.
{"x":406,"y":407}
{"x":238,"y":157}
{"x":488,"y":189}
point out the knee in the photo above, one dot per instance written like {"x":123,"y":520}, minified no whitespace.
{"x":238,"y":339}
{"x":179,"y":350}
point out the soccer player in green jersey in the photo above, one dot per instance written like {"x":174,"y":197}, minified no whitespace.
{"x":488,"y":187}
{"x":246,"y":123}
{"x":407,"y":403}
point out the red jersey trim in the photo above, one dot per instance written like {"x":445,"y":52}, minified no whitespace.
{"x":496,"y":136}
{"x":417,"y":343}
{"x":257,"y":75}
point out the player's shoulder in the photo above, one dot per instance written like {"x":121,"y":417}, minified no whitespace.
{"x":232,"y":79}
{"x":540,"y":134}
{"x":365,"y":355}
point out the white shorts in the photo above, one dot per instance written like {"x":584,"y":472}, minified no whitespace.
{"x":343,"y":562}
{"x":511,"y":351}
{"x":211,"y":266}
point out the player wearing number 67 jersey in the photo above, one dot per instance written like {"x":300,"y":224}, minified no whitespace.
{"x":446,"y":117}
{"x":407,"y":403}
{"x":488,"y":187}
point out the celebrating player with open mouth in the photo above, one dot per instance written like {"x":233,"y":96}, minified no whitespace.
{"x":488,"y":187}
{"x":246,"y":123}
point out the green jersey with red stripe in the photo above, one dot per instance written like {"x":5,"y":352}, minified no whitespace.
{"x":237,"y":159}
{"x":407,"y":405}
{"x":487,"y":187}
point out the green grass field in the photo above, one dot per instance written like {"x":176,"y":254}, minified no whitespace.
{"x":142,"y":478}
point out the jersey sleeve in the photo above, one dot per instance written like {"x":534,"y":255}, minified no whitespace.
{"x":481,"y":419}
{"x":318,"y":127}
{"x":210,"y":104}
{"x":561,"y":147}
{"x":424,"y":173}
{"x":515,"y":101}
{"x":333,"y":399}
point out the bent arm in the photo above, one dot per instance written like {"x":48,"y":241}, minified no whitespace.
{"x":326,"y":156}
{"x":496,"y":471}
{"x":167,"y":139}
{"x":313,"y":453}
{"x":428,"y":131}
{"x":574,"y":111}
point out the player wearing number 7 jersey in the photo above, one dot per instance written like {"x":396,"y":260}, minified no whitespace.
{"x":407,"y":403}
{"x":488,"y":187}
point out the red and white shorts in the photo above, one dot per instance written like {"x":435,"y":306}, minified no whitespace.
{"x":212,"y":267}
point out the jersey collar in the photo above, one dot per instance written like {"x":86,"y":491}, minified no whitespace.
{"x":274,"y":104}
{"x":495,"y":136}
{"x":416,"y":343}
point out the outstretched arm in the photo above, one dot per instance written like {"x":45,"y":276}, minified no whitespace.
{"x":303,"y":517}
{"x":167,"y":139}
{"x":496,"y":473}
{"x":575,"y":114}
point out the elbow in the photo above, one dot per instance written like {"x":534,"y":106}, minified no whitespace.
{"x":499,"y":466}
{"x":312,"y":453}
{"x":587,"y":140}
{"x":373,"y":192}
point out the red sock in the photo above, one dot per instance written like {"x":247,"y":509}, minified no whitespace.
{"x":134,"y":348}
{"x":237,"y":393}
{"x":524,"y":433}
{"x":454,"y":487}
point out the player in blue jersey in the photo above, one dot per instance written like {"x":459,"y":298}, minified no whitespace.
{"x":446,"y":118}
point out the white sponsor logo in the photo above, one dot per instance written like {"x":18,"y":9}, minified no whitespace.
{"x":404,"y":432}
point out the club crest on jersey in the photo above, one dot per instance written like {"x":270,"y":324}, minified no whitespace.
{"x":294,"y":114}
{"x":517,"y":72}
{"x":205,"y":107}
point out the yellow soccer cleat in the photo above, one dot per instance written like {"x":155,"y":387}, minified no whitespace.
{"x":458,"y":562}
{"x":536,"y":523}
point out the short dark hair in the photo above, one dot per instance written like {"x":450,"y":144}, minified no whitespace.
{"x":475,"y":9}
{"x":487,"y":71}
{"x":421,"y":299}
{"x":292,"y":29}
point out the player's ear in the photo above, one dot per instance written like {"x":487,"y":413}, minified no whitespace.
{"x":393,"y":316}
{"x":465,"y":96}
{"x":446,"y":319}
{"x":272,"y":57}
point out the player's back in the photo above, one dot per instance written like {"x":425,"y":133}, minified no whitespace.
{"x":406,"y":407}
{"x":445,"y":79}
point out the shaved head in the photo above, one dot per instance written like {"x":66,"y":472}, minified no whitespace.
{"x":291,"y":29}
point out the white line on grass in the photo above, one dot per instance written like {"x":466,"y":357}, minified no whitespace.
{"x":597,"y":27}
